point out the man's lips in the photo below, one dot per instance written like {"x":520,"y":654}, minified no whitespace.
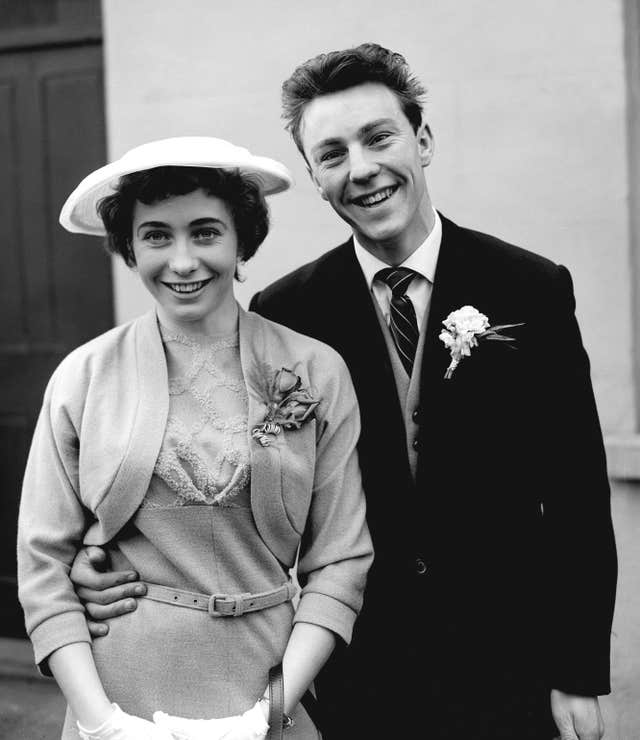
{"x":187,"y":288}
{"x":375,"y":198}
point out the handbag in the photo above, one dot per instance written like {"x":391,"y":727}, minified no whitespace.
{"x":278,"y":720}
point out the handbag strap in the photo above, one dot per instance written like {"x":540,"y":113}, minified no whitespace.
{"x":276,"y":703}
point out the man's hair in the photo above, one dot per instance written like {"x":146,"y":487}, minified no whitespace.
{"x":242,"y":195}
{"x":340,"y":70}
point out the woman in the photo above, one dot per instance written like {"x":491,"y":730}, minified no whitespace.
{"x":202,"y":445}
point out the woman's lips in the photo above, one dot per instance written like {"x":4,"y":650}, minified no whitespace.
{"x":187,"y":288}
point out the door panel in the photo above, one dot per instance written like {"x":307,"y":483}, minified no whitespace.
{"x":55,"y":288}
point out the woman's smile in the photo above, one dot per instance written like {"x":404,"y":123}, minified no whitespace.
{"x":187,"y":289}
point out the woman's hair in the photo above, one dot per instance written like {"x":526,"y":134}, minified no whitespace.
{"x":242,"y":195}
{"x":341,"y":70}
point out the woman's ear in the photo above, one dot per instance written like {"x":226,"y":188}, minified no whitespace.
{"x":241,"y":270}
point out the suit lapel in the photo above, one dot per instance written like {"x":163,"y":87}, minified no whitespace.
{"x":356,"y":334}
{"x":351,"y":326}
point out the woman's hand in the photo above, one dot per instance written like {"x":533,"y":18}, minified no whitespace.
{"x":105,"y":593}
{"x":123,"y":726}
{"x":248,"y":726}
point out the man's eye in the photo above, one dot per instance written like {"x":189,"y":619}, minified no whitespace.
{"x":380,"y":138}
{"x":331,"y":156}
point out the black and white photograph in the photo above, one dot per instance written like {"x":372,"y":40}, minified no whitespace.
{"x":320,"y":370}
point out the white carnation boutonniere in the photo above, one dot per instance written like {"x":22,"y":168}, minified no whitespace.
{"x":464,"y":329}
{"x":289,"y":404}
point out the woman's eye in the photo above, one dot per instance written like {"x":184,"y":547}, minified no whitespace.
{"x":156,"y":237}
{"x":206,"y":234}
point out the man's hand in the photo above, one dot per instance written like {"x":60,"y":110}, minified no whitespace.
{"x":105,"y":594}
{"x":577,"y":717}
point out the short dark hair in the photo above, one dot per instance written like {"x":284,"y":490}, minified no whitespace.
{"x":242,"y":194}
{"x":340,"y":70}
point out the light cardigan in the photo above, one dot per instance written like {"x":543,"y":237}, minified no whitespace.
{"x":97,"y":440}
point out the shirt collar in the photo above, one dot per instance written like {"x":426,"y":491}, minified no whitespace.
{"x":423,"y":260}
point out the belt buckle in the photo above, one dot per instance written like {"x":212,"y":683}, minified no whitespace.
{"x":216,"y":601}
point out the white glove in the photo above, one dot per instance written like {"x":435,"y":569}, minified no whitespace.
{"x":248,"y":726}
{"x":123,"y":726}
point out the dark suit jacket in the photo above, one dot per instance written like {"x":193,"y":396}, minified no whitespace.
{"x":510,"y":512}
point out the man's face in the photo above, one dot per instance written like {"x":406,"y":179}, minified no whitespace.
{"x":366,"y":161}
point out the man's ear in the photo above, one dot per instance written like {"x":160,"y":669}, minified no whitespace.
{"x":426,"y":144}
{"x":316,"y":184}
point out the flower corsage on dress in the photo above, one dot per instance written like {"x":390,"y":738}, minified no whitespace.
{"x":289,"y":403}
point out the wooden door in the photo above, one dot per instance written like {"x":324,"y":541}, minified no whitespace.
{"x":55,"y":288}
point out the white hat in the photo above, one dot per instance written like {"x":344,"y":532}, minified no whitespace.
{"x":79,"y":213}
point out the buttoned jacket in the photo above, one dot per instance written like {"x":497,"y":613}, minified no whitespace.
{"x":507,"y":528}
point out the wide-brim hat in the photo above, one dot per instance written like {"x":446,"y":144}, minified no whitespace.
{"x":79,"y":213}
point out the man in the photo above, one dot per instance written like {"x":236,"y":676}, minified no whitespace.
{"x":488,"y":609}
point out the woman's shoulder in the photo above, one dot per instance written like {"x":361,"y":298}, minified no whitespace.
{"x":285,"y":341}
{"x":99,"y":355}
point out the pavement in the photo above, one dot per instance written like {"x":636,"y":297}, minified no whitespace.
{"x":31,"y":706}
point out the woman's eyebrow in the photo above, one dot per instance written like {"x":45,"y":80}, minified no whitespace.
{"x":152,"y":225}
{"x":207,"y":220}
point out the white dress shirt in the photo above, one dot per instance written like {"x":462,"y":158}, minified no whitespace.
{"x":423,"y":261}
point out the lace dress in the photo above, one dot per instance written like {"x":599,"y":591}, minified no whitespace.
{"x":195,"y":531}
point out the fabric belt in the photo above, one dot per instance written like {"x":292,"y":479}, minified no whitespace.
{"x":221,"y":605}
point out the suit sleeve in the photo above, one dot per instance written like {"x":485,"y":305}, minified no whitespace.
{"x":336,"y":550}
{"x":50,"y":528}
{"x":581,"y":563}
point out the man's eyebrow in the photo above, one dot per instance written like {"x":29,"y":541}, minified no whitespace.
{"x":368,"y":127}
{"x":363,"y":131}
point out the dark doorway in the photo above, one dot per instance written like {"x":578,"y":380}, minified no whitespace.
{"x":55,"y":289}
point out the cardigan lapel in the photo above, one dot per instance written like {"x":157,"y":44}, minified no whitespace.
{"x":134,"y":472}
{"x":267,"y":504}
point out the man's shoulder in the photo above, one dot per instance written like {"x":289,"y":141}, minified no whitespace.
{"x":493,"y":253}
{"x":304,"y":285}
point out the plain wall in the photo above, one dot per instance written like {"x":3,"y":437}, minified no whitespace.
{"x":526,"y":102}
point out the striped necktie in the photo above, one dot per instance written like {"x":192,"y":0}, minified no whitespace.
{"x":403,"y":323}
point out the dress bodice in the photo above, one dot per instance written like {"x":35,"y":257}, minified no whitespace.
{"x":204,"y":458}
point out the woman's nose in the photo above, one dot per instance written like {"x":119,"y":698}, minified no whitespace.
{"x":183,"y":261}
{"x":362,"y":166}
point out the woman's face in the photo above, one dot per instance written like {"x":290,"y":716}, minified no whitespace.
{"x":186,"y":250}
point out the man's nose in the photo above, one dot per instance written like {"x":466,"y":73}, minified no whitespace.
{"x":183,"y":260}
{"x":362,"y":166}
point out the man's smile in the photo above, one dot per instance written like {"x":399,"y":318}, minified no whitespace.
{"x":370,"y":200}
{"x":188,"y":288}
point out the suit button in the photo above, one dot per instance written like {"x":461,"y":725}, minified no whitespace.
{"x":416,"y":415}
{"x":421,"y":566}
{"x":416,"y":444}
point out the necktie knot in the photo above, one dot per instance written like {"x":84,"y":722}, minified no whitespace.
{"x":402,"y":315}
{"x":397,"y":278}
